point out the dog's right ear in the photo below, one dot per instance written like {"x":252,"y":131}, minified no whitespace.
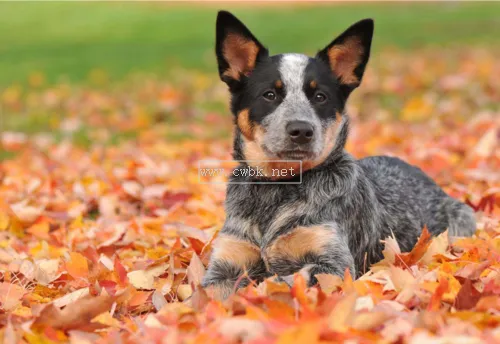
{"x":237,"y":49}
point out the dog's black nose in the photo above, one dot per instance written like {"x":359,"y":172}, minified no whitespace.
{"x":300,"y":131}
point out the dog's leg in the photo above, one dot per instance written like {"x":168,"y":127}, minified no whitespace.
{"x":232,"y":257}
{"x":315,"y":249}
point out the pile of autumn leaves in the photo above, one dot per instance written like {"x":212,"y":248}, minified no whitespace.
{"x":109,"y":243}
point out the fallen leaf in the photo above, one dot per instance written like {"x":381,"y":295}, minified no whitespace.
{"x":77,"y":266}
{"x":76,"y":315}
{"x":472,"y":271}
{"x":409,"y":259}
{"x":10,"y":295}
{"x":342,"y":314}
{"x":239,"y":329}
{"x":467,"y":297}
{"x":195,"y":271}
{"x":145,"y":279}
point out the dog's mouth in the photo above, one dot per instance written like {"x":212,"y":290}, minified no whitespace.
{"x":295,"y":155}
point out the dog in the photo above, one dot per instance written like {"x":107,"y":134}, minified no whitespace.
{"x":291,"y":107}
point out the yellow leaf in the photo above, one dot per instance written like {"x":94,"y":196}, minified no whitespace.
{"x":105,"y":318}
{"x":184,"y":291}
{"x":438,"y":246}
{"x":145,"y":279}
{"x":22,"y":311}
{"x":4,"y":221}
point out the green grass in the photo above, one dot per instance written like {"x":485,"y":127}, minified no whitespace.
{"x":69,"y":40}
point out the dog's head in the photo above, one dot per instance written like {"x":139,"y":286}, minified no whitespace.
{"x":290,"y":106}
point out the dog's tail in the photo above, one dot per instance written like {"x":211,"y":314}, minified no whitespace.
{"x":461,"y":219}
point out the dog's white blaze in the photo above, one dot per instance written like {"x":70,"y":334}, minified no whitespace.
{"x":292,"y":69}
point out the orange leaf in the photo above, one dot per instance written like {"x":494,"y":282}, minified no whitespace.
{"x":435,"y":302}
{"x":409,"y":259}
{"x":77,"y":266}
{"x":343,"y":313}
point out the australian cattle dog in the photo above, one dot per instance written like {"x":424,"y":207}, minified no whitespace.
{"x":291,"y":107}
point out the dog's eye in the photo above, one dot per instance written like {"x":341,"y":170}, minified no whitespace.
{"x":320,"y":97}
{"x":269,"y":95}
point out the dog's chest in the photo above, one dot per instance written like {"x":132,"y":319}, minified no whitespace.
{"x":260,"y":211}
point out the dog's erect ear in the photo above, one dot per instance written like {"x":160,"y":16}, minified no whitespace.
{"x":237,"y":49}
{"x":348,"y":54}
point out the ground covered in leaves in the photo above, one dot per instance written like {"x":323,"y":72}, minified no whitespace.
{"x":105,"y":236}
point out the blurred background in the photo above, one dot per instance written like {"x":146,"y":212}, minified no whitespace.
{"x":103,"y":72}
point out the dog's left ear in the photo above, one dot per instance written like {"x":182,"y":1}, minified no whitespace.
{"x":348,"y":54}
{"x":237,"y":50}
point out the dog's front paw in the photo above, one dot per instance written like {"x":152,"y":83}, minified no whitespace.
{"x":284,"y":279}
{"x":290,"y":279}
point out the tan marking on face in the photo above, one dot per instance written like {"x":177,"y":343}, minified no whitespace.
{"x":330,"y":139}
{"x":235,"y":251}
{"x":252,"y":149}
{"x":240,"y":53}
{"x":313,"y":84}
{"x":278,"y":84}
{"x":345,"y":58}
{"x":299,"y":242}
{"x":338,"y":117}
{"x":245,"y":124}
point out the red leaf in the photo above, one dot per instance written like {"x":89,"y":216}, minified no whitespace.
{"x":170,"y":199}
{"x":120,"y":272}
{"x":467,"y":297}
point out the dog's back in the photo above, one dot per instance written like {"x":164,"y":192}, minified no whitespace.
{"x":407,"y":193}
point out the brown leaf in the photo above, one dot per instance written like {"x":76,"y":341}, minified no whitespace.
{"x":76,"y":315}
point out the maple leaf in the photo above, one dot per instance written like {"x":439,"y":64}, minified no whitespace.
{"x":418,"y":251}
